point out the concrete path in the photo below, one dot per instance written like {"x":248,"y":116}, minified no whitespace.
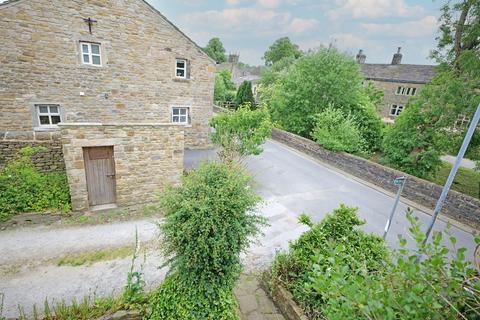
{"x":466,"y":163}
{"x":290,"y":182}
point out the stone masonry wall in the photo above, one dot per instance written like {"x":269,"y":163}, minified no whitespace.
{"x":458,"y":206}
{"x":147,"y":158}
{"x":390,"y":97}
{"x":40,"y":63}
{"x":45,"y":161}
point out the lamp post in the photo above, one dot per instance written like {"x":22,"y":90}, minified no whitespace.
{"x":400,"y":181}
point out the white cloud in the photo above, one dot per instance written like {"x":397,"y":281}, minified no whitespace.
{"x":373,"y":9}
{"x":350,"y":41}
{"x":426,"y":26}
{"x":269,"y":3}
{"x":248,"y":20}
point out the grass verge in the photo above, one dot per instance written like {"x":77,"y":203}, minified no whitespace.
{"x":467,"y":181}
{"x":89,"y":258}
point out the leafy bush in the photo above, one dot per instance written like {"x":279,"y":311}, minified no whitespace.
{"x":224,"y":87}
{"x":23,"y":188}
{"x":240,"y":133}
{"x":338,"y":132}
{"x":316,"y":81}
{"x":338,"y":272}
{"x":209,"y":222}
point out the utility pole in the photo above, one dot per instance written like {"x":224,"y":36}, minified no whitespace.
{"x":400,"y":181}
{"x":453,"y":172}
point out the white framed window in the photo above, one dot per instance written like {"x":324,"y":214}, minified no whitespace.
{"x":91,"y":54}
{"x":181,"y":68}
{"x":48,"y":115}
{"x":181,"y":115}
{"x":406,"y":91}
{"x":396,"y":109}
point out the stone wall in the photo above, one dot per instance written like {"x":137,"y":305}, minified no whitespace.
{"x":458,"y":206}
{"x":46,"y":161}
{"x":40,"y":61}
{"x":147,"y":158}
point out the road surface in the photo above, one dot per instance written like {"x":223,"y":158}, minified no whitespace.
{"x":290,"y":183}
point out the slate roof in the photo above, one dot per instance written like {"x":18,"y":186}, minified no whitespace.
{"x":408,"y":73}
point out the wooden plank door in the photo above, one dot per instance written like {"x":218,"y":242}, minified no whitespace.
{"x":100,"y":172}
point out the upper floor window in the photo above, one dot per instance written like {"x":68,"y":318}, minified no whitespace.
{"x":406,"y":91}
{"x":180,"y":115}
{"x":396,"y":109}
{"x":181,"y":68}
{"x":91,"y":53}
{"x":48,"y":114}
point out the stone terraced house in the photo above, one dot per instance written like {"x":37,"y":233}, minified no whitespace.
{"x":113,"y":89}
{"x":398,"y":82}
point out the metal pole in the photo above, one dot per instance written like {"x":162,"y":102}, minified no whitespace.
{"x":397,"y":200}
{"x":453,"y":172}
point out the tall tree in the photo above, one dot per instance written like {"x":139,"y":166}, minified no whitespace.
{"x":215,"y":50}
{"x":428,"y":127}
{"x":245,"y":94}
{"x":280,"y":49}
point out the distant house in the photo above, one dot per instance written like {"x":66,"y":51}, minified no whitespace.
{"x":112,"y":88}
{"x":398,"y":82}
{"x":241,"y":72}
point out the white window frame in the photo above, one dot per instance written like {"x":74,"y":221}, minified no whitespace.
{"x":396,"y":109}
{"x":185,"y":63}
{"x":179,"y":115}
{"x":406,"y":91}
{"x":48,"y":114}
{"x":90,"y":53}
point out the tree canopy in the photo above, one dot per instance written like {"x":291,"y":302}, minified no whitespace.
{"x":224,"y":86}
{"x":245,"y":94}
{"x":429,"y":127}
{"x":215,"y":50}
{"x":280,"y":49}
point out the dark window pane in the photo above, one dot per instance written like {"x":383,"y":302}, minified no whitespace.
{"x":44,"y":120}
{"x":183,"y":111}
{"x":43,"y":109}
{"x":86,"y":59}
{"x":85,"y":48}
{"x":175,"y":119}
{"x":56,"y":119}
{"x":181,"y":73}
{"x":180,"y":64}
{"x":53,"y":109}
{"x":176,"y":111}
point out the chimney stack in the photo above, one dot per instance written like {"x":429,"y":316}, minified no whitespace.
{"x":397,"y":57}
{"x":361,"y":57}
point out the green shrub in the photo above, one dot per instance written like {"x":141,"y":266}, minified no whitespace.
{"x":209,"y":222}
{"x":338,"y":272}
{"x":338,"y":132}
{"x":245,"y":95}
{"x":23,"y":188}
{"x":240,"y":133}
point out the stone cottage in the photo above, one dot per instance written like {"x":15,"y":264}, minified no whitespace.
{"x":109,"y":86}
{"x":398,"y":82}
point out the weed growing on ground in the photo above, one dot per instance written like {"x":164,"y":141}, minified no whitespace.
{"x":134,"y":293}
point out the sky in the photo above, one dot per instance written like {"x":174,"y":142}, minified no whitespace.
{"x":249,"y":27}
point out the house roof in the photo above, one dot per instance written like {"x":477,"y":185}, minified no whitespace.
{"x":6,"y":2}
{"x":408,"y":73}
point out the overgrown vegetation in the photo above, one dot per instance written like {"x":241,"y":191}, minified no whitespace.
{"x":215,"y":50}
{"x":225,"y":90}
{"x":467,"y":181}
{"x":338,"y":132}
{"x":23,"y":188}
{"x":241,"y":132}
{"x":209,"y":222}
{"x":428,"y":126}
{"x":89,"y":258}
{"x":323,"y":79}
{"x":336,"y":271}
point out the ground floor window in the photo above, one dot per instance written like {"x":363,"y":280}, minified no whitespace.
{"x":48,"y":114}
{"x":396,"y":109}
{"x":181,"y":115}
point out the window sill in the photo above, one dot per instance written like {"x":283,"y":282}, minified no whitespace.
{"x":186,"y":80}
{"x":46,"y":128}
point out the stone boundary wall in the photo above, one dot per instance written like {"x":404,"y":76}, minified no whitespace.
{"x":48,"y":161}
{"x":457,"y":206}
